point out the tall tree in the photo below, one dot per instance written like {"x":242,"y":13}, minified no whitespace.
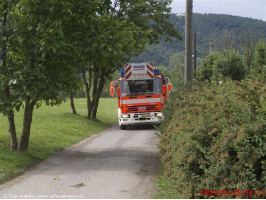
{"x":177,"y":68}
{"x":152,"y":16}
{"x":43,"y":60}
{"x":112,"y":46}
{"x":260,"y":56}
{"x":229,"y":39}
{"x":8,"y":99}
{"x":125,"y":28}
{"x":248,"y":47}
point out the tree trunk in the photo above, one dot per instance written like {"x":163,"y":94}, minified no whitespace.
{"x":95,"y":91}
{"x":28,"y":112}
{"x":97,"y":97}
{"x":11,"y":120}
{"x":98,"y":84}
{"x":12,"y":130}
{"x":72,"y":103}
{"x":24,"y":139}
{"x":87,"y":90}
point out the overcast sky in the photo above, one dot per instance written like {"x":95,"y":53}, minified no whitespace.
{"x":245,"y":8}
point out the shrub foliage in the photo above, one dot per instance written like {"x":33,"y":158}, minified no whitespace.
{"x":205,"y":71}
{"x":229,"y":64}
{"x":213,"y":138}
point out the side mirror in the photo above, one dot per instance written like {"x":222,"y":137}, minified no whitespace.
{"x":112,"y":89}
{"x":169,"y":86}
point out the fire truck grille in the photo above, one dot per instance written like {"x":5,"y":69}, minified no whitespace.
{"x":148,"y":108}
{"x":142,"y":116}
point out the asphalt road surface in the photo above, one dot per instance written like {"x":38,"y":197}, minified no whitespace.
{"x":112,"y":164}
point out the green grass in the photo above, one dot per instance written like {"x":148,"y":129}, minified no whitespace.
{"x":53,"y":129}
{"x":165,"y":188}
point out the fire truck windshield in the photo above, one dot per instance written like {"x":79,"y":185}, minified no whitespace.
{"x":141,"y":87}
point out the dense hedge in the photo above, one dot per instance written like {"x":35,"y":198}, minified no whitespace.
{"x":213,"y":138}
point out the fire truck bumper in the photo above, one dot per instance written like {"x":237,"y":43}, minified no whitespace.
{"x":140,"y":118}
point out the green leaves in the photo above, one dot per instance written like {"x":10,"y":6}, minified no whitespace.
{"x":8,"y":98}
{"x":205,"y":71}
{"x":260,"y":56}
{"x":230,"y":64}
{"x":227,"y":64}
{"x":214,"y":137}
{"x":78,"y":185}
{"x":46,"y":43}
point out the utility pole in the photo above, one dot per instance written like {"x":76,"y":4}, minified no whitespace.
{"x":195,"y":54}
{"x":211,"y":47}
{"x":188,"y":44}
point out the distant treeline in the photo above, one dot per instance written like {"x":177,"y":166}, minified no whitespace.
{"x":220,"y":30}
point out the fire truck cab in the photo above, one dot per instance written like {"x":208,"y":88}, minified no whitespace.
{"x":142,"y":91}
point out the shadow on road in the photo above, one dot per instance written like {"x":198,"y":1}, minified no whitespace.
{"x":141,"y":127}
{"x":122,"y":159}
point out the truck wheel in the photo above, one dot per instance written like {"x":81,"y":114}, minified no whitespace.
{"x":123,"y":127}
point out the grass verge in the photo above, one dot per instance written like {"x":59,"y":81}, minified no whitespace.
{"x":166,"y":188}
{"x":53,"y":129}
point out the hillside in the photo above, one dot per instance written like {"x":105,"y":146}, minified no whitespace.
{"x":218,"y":28}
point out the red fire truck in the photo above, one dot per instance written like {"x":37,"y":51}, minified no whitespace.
{"x":142,"y":91}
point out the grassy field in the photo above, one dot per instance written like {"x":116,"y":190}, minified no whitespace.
{"x":53,"y":129}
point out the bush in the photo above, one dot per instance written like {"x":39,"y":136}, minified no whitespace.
{"x":230,"y":64}
{"x":205,"y":71}
{"x":214,"y":138}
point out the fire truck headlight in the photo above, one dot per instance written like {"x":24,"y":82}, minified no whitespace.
{"x":125,"y":116}
{"x":159,"y":114}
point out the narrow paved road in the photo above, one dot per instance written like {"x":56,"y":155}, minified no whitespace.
{"x":112,"y":164}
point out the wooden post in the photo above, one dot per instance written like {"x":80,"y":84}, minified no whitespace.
{"x":188,"y":43}
{"x":195,"y":54}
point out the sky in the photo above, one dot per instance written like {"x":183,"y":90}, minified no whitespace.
{"x":244,"y":8}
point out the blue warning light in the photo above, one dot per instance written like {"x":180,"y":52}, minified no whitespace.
{"x":157,"y":71}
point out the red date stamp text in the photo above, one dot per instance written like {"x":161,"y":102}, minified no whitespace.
{"x":232,"y":192}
